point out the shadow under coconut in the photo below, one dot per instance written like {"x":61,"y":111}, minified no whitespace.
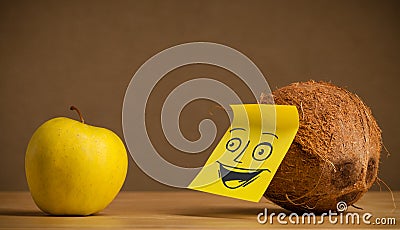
{"x":228,"y":212}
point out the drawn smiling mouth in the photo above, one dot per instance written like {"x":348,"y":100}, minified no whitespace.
{"x":235,"y":177}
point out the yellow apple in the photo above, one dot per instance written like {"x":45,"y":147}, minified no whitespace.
{"x":73,"y":168}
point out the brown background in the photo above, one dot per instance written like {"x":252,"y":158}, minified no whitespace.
{"x":57,"y":53}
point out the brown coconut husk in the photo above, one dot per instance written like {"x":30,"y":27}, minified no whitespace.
{"x":335,"y":154}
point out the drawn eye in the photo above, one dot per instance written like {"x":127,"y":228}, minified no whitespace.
{"x":233,"y":144}
{"x":262,"y":151}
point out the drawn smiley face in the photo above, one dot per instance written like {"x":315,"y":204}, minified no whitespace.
{"x":248,"y":155}
{"x":233,"y":174}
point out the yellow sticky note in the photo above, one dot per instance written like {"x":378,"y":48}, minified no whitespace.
{"x":250,"y":152}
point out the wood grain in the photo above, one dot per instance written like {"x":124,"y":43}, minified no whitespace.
{"x":172,"y":210}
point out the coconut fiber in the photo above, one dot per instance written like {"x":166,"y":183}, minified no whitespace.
{"x":335,"y":154}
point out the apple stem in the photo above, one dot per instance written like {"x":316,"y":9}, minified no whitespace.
{"x":79,"y":113}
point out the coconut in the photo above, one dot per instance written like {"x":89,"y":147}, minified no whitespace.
{"x":335,"y":154}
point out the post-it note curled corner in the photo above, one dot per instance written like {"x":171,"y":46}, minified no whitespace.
{"x":250,"y":152}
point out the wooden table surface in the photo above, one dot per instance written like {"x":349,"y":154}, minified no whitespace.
{"x":172,"y":210}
